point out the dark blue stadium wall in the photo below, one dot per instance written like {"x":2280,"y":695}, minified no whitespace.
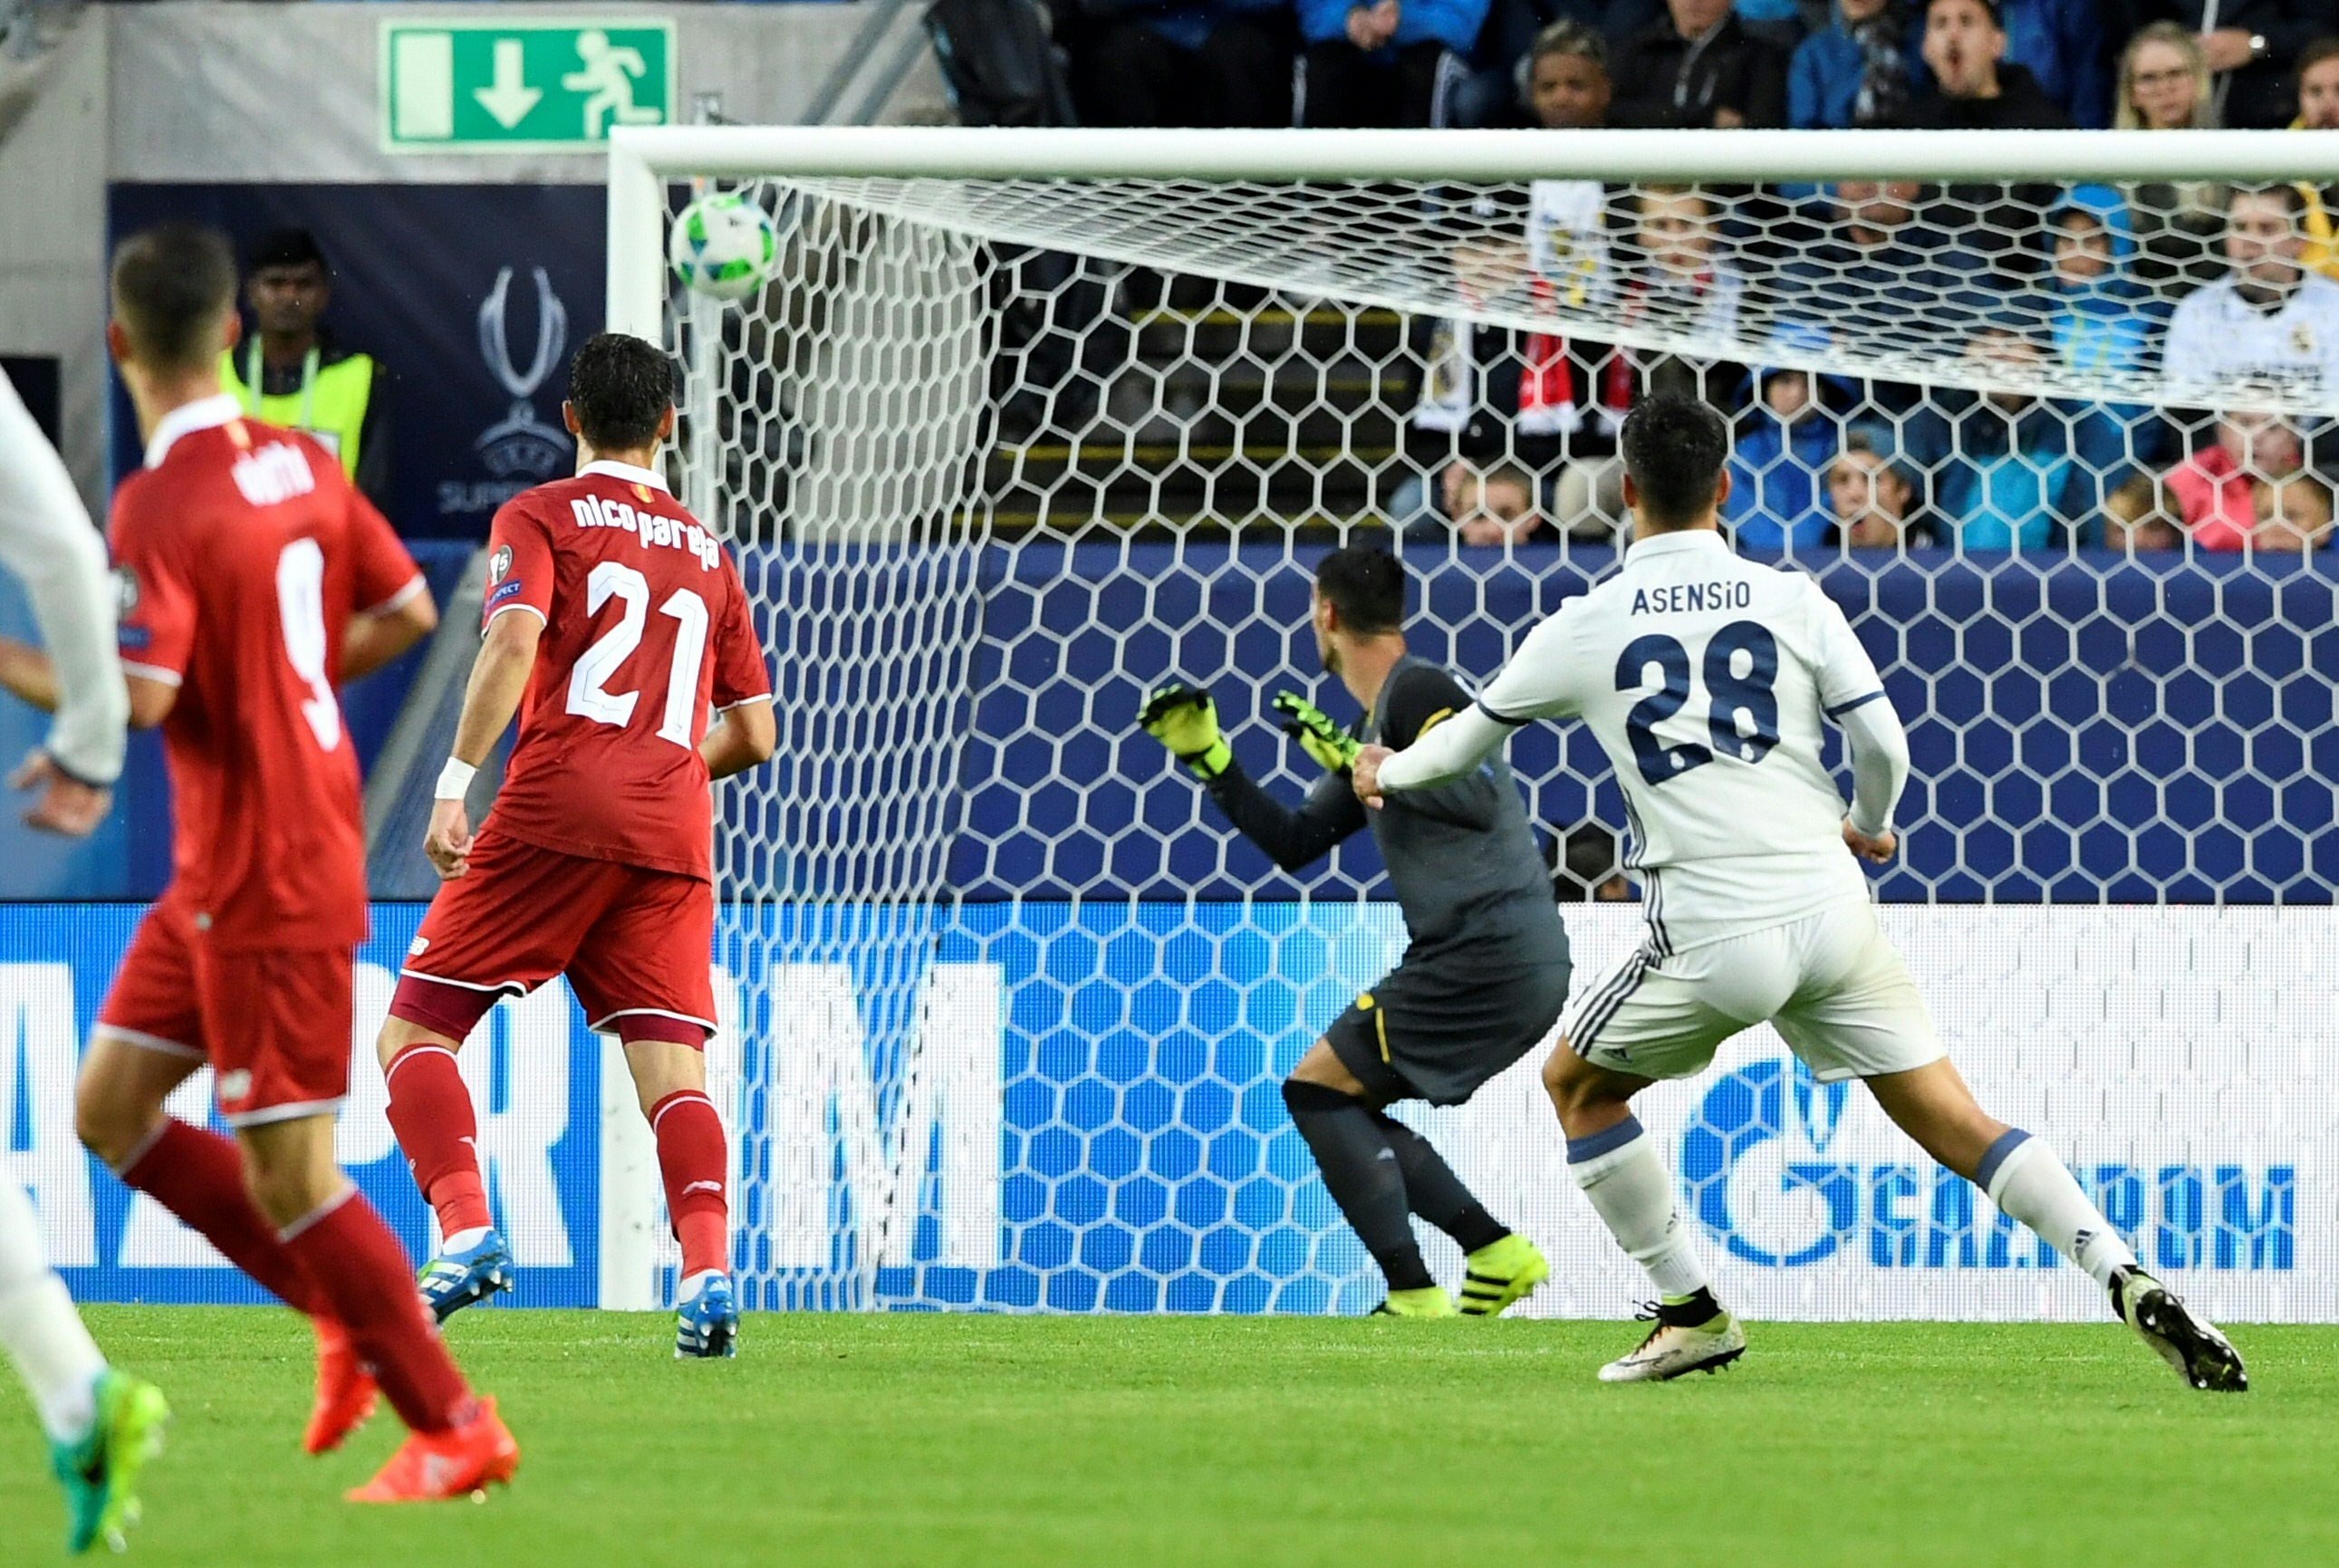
{"x":2084,"y":728}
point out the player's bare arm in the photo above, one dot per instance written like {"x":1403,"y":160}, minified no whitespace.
{"x":499,"y":678}
{"x":740,"y":738}
{"x":67,"y":805}
{"x":1446,"y":752}
{"x":373,"y":639}
{"x":1876,"y":849}
{"x":27,"y":675}
{"x":1364,"y":774}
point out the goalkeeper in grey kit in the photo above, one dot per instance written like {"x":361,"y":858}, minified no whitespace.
{"x":1483,"y":978}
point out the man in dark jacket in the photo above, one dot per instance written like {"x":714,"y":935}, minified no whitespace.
{"x":1973,"y":89}
{"x":1697,"y":68}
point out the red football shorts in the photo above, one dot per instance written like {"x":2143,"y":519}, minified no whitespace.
{"x":634,"y":943}
{"x":273,"y":1022}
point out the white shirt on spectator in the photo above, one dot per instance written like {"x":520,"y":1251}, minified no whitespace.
{"x":2219,"y":341}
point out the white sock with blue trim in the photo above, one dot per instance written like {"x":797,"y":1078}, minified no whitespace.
{"x":38,"y":1325}
{"x":2026,"y":1180}
{"x":1630,"y":1190}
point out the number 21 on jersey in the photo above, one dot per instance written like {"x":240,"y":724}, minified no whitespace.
{"x":588,"y":691}
{"x":1738,"y":671}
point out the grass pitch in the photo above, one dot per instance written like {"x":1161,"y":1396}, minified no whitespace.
{"x":936,"y":1441}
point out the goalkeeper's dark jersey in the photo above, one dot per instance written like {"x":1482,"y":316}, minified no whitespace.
{"x":1464,"y":865}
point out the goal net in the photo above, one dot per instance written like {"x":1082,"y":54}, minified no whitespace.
{"x":1027,"y":424}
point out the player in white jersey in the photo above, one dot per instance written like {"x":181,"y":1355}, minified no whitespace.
{"x":101,"y":1425}
{"x":1706,"y":678}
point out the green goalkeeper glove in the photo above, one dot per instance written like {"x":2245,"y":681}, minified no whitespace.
{"x":1187,"y":720}
{"x":1333,"y":747}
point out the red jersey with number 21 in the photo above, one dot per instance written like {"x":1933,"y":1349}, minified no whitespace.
{"x":244,"y":552}
{"x":646,"y":628}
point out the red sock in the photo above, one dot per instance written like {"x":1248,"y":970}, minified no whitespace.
{"x":198,"y":1176}
{"x":362,"y":1278}
{"x":693,"y":1161}
{"x":430,"y":1111}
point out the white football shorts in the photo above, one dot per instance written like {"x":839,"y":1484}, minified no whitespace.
{"x":1838,"y":992}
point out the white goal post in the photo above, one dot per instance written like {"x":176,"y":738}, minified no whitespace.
{"x":982,"y":556}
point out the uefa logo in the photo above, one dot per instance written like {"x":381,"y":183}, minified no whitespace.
{"x":522,"y":446}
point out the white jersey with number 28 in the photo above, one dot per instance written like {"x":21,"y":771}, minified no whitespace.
{"x":1706,"y":678}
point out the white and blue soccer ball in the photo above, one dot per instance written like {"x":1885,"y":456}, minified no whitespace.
{"x":724,"y":245}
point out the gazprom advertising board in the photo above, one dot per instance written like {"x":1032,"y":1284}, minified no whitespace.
{"x":1035,"y":1106}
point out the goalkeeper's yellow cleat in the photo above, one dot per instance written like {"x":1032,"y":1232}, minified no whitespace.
{"x":1334,"y":748}
{"x":1431,"y":1303}
{"x":1186,"y":720}
{"x":1500,"y":1273}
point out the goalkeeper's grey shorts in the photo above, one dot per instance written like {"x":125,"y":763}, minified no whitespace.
{"x":1435,"y":1029}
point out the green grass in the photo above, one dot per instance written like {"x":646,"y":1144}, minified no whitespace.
{"x":936,"y":1441}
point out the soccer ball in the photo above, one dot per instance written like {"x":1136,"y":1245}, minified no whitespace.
{"x":724,"y":245}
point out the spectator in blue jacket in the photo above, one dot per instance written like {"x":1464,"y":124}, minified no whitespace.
{"x":1183,"y":62}
{"x":2004,"y":479}
{"x":2101,"y":322}
{"x":1778,"y":467}
{"x":1387,"y":64}
{"x":1855,"y":72}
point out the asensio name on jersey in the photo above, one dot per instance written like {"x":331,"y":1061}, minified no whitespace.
{"x":1707,"y":680}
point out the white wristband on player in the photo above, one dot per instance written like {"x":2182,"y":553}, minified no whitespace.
{"x":455,"y":780}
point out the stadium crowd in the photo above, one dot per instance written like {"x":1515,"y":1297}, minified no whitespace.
{"x":2229,"y":291}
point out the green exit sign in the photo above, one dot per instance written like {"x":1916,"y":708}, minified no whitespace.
{"x":542,"y":84}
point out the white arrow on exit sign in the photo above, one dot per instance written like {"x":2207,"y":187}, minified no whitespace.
{"x":510,"y":98}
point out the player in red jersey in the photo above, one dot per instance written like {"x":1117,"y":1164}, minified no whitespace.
{"x":255,"y":580}
{"x":622,"y":622}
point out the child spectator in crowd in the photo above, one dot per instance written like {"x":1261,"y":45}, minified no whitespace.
{"x":1698,"y":67}
{"x":1783,"y":444}
{"x":2212,"y":487}
{"x":1192,"y":63}
{"x":2294,"y":515}
{"x":2139,"y":515}
{"x":1496,"y":507}
{"x":1871,"y":497}
{"x":1854,"y":73}
{"x":2005,"y":475}
{"x":2164,"y":86}
{"x":1567,"y":77}
{"x":1385,"y":64}
{"x":2099,"y":326}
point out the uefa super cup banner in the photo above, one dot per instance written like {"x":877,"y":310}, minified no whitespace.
{"x":1075,"y":1108}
